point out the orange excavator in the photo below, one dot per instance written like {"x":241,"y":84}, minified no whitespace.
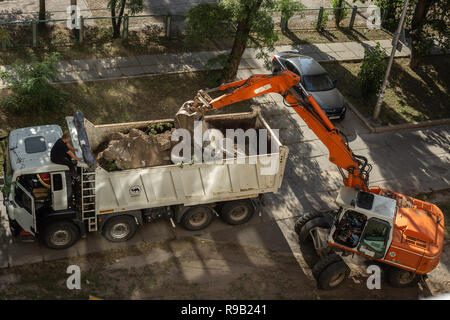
{"x":404,"y":233}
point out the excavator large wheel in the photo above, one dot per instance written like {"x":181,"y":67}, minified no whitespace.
{"x":401,"y":278}
{"x":304,"y":219}
{"x":330,"y":272}
{"x":303,"y":227}
{"x":305,"y":235}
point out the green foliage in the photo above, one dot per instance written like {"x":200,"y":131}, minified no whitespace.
{"x":289,"y":8}
{"x":5,"y":38}
{"x":111,"y":165}
{"x":320,"y":25}
{"x":31,"y":85}
{"x":132,"y":6}
{"x":339,"y":14}
{"x":371,"y":73}
{"x":118,"y":7}
{"x":159,"y":128}
{"x":220,"y":21}
{"x":209,"y":21}
{"x":434,"y":28}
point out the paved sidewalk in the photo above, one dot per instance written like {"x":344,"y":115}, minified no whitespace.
{"x":137,"y":66}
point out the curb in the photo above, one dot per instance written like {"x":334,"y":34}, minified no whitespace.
{"x":403,"y":126}
{"x":428,"y":123}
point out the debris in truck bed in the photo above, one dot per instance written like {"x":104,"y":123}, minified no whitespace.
{"x":136,"y":149}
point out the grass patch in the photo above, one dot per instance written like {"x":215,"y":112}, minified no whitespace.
{"x":115,"y":101}
{"x":410,"y":97}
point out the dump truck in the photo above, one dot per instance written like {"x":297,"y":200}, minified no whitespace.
{"x":405,"y":234}
{"x":44,"y":201}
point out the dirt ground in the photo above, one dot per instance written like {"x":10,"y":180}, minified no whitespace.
{"x":184,"y":269}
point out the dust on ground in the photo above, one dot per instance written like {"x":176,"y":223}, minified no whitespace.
{"x":188,"y":268}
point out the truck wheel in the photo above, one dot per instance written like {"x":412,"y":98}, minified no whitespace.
{"x":119,"y":229}
{"x":237,"y":212}
{"x":197,"y":218}
{"x":330,"y":272}
{"x":304,"y":219}
{"x":61,"y":235}
{"x":401,"y":278}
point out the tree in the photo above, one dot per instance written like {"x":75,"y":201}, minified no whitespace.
{"x":42,"y":12}
{"x":118,"y":7}
{"x":371,"y":73}
{"x":244,"y":21}
{"x":31,"y":86}
{"x":427,"y":24}
{"x":288,"y":9}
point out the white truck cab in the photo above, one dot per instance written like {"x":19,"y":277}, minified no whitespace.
{"x":28,"y":199}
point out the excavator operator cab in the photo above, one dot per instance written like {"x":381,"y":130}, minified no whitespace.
{"x":364,"y":223}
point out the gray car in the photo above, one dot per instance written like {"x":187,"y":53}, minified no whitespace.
{"x":315,"y":80}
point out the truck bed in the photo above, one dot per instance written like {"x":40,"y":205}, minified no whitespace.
{"x":187,"y":184}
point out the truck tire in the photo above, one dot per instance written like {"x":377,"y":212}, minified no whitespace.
{"x":330,"y":272}
{"x":400,"y":278}
{"x":119,"y":229}
{"x":61,"y":235}
{"x":197,"y":218}
{"x":237,"y":212}
{"x":304,"y":219}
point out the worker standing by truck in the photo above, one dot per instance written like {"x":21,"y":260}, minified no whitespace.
{"x":63,"y":153}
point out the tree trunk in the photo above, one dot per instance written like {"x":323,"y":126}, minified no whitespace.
{"x":41,"y":9}
{"x":240,"y":43}
{"x":117,"y":21}
{"x":417,"y":23}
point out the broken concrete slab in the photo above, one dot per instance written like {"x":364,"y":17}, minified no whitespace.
{"x":136,"y":149}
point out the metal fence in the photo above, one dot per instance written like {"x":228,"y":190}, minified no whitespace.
{"x":55,"y":32}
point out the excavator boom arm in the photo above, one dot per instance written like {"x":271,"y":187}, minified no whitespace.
{"x":283,"y":83}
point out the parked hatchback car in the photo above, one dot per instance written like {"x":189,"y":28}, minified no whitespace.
{"x":315,"y":80}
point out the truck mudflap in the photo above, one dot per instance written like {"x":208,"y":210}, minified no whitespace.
{"x":258,"y":203}
{"x":83,"y":140}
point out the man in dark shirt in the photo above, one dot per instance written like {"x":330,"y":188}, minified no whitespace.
{"x":63,"y":153}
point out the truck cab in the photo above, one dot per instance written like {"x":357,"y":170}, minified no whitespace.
{"x":38,"y":194}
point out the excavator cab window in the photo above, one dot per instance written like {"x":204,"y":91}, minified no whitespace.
{"x":364,"y":200}
{"x":375,"y":238}
{"x":350,"y":228}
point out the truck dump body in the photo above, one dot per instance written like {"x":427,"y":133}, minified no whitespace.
{"x":187,"y":184}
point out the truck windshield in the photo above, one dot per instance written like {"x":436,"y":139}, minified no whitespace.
{"x":320,"y":82}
